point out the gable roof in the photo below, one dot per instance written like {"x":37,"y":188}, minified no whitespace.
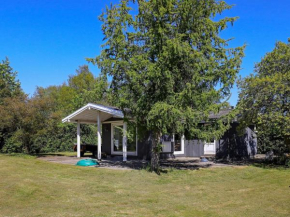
{"x":88,"y":114}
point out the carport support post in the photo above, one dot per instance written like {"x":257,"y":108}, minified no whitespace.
{"x":79,"y":140}
{"x":125,"y":141}
{"x":99,"y":138}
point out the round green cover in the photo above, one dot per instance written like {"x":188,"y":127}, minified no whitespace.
{"x":87,"y":162}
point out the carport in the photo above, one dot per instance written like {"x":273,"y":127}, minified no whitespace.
{"x":96,"y":114}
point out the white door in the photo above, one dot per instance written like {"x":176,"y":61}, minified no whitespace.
{"x":209,"y":147}
{"x":117,"y":140}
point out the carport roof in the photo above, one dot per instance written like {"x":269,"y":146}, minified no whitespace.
{"x":89,"y":113}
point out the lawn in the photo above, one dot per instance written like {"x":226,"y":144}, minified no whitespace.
{"x":31,"y":187}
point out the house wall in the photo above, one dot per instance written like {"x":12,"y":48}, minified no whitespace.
{"x":192,"y":148}
{"x":237,"y":145}
{"x":231,"y":145}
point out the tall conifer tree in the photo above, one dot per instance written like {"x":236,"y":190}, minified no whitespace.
{"x":169,"y":65}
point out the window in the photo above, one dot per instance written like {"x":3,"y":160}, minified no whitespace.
{"x":117,"y":139}
{"x":179,"y":144}
{"x":210,"y":147}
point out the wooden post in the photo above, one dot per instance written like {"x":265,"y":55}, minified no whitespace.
{"x":99,"y":138}
{"x":125,"y":141}
{"x":79,"y":140}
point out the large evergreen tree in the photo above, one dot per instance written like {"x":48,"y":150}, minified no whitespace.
{"x":9,"y":84}
{"x":169,"y":65}
{"x":265,"y":100}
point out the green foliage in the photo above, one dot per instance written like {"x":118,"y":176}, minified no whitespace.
{"x":265,"y":100}
{"x":33,"y":125}
{"x":168,"y":63}
{"x":81,"y":89}
{"x":84,"y":80}
{"x":9,"y":88}
{"x":287,"y":162}
{"x":9,"y":85}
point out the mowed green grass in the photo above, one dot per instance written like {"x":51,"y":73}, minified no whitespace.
{"x":31,"y":187}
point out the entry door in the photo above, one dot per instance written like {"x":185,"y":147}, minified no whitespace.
{"x":117,"y":139}
{"x":209,"y":147}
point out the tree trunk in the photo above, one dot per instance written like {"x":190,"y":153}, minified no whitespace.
{"x":155,"y":152}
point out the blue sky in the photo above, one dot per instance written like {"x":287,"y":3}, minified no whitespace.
{"x":47,"y":40}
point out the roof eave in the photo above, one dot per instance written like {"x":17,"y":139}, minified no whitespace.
{"x":114,"y":112}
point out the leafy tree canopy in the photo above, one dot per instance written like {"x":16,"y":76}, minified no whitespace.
{"x":168,"y":64}
{"x":264,"y":99}
{"x":81,"y":88}
{"x":83,"y":80}
{"x":33,"y":124}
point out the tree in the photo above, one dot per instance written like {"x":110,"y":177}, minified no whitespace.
{"x":21,"y":120}
{"x":33,"y":124}
{"x":9,"y":88}
{"x":62,"y":97}
{"x":264,"y":99}
{"x":83,"y":80}
{"x":87,"y":87}
{"x":9,"y":85}
{"x":81,"y":88}
{"x":169,"y":65}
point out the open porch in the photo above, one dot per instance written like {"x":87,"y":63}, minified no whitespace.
{"x":111,"y":130}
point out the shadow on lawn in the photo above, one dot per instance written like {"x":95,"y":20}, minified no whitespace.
{"x":164,"y":164}
{"x":258,"y":162}
{"x":184,"y":164}
{"x":267,"y":165}
{"x":48,"y":154}
{"x":72,"y":155}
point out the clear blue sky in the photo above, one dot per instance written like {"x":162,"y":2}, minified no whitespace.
{"x":46,"y":40}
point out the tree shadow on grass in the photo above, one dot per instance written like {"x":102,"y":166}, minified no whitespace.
{"x":270,"y":165}
{"x":184,"y":165}
{"x":165,"y":165}
{"x":48,"y":155}
{"x":260,"y":163}
{"x":278,"y":162}
{"x":72,"y":155}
